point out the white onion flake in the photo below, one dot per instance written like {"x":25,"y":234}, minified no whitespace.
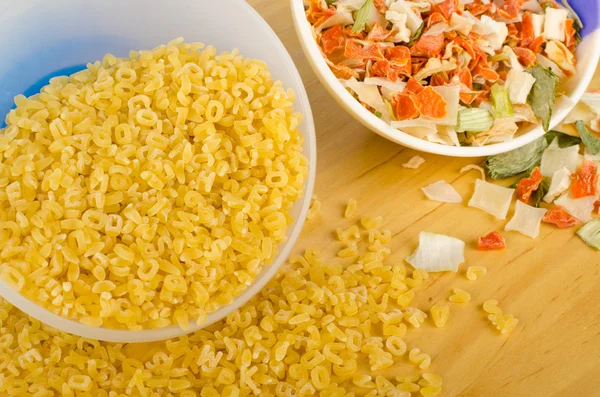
{"x":561,"y":180}
{"x":580,"y":208}
{"x":474,"y":167}
{"x":555,"y":158}
{"x":443,"y":192}
{"x":437,"y":253}
{"x":493,"y":199}
{"x":414,"y":162}
{"x":526,"y":220}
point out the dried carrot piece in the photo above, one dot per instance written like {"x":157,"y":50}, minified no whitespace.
{"x":380,"y":6}
{"x":465,"y":77}
{"x":570,"y":33}
{"x":341,"y":71}
{"x":399,"y":57}
{"x":467,"y":98}
{"x":333,"y":39}
{"x":446,"y":8}
{"x":465,"y":45}
{"x":429,"y":46}
{"x":585,"y":180}
{"x":357,"y":35}
{"x":478,"y":9}
{"x":536,"y":44}
{"x":405,"y":107}
{"x":417,"y":64}
{"x":435,"y":18}
{"x":317,"y":15}
{"x":384,"y":69}
{"x":525,"y":55}
{"x":486,"y":73}
{"x":513,"y":32}
{"x":378,"y":33}
{"x":510,"y":9}
{"x":548,"y":3}
{"x":527,"y":35}
{"x":526,"y":186}
{"x":493,"y":241}
{"x":413,"y":86}
{"x":431,"y":103}
{"x":438,"y":79}
{"x":559,"y":217}
{"x":355,"y":51}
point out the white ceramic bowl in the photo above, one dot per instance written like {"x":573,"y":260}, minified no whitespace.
{"x":42,"y":39}
{"x":587,"y":57}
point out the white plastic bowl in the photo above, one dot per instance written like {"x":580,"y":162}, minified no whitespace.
{"x":588,"y":54}
{"x":42,"y":37}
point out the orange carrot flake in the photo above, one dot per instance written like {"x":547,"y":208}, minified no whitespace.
{"x":559,"y":217}
{"x":435,"y":18}
{"x":413,"y":86}
{"x":446,"y":8}
{"x":438,"y":79}
{"x":405,"y":107}
{"x":378,"y":33}
{"x":383,"y":69}
{"x":429,"y":46}
{"x":510,"y":9}
{"x":525,"y":55}
{"x":354,"y":50}
{"x":478,"y":9}
{"x":493,"y":241}
{"x":380,"y":6}
{"x":513,"y":32}
{"x":317,"y":15}
{"x":536,"y":44}
{"x":399,"y":57}
{"x":341,"y":71}
{"x":350,"y":33}
{"x":527,"y":34}
{"x":585,"y":180}
{"x":431,"y":103}
{"x":333,"y":39}
{"x":464,"y":76}
{"x":570,"y":33}
{"x":486,"y":73}
{"x":526,"y":186}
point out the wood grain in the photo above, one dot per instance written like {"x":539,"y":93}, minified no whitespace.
{"x":549,"y":284}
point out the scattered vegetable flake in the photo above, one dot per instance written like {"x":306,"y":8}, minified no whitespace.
{"x":491,"y":242}
{"x":493,"y":199}
{"x":561,"y":180}
{"x":474,"y":167}
{"x":580,"y":208}
{"x":555,"y":158}
{"x":585,"y":180}
{"x":443,"y":192}
{"x":414,"y":162}
{"x":590,"y":233}
{"x":437,"y":253}
{"x":526,"y":186}
{"x":526,"y":220}
{"x":516,"y":161}
{"x":559,"y":217}
{"x":590,"y":141}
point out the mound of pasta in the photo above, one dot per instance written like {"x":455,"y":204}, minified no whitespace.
{"x":148,"y":191}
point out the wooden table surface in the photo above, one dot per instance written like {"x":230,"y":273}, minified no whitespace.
{"x":550,"y":284}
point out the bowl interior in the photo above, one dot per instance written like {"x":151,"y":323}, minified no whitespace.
{"x":43,"y":39}
{"x":588,"y":54}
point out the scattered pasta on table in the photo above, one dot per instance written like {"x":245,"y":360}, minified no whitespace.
{"x":504,"y":323}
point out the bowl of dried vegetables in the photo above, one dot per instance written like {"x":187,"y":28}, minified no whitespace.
{"x":454,"y":77}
